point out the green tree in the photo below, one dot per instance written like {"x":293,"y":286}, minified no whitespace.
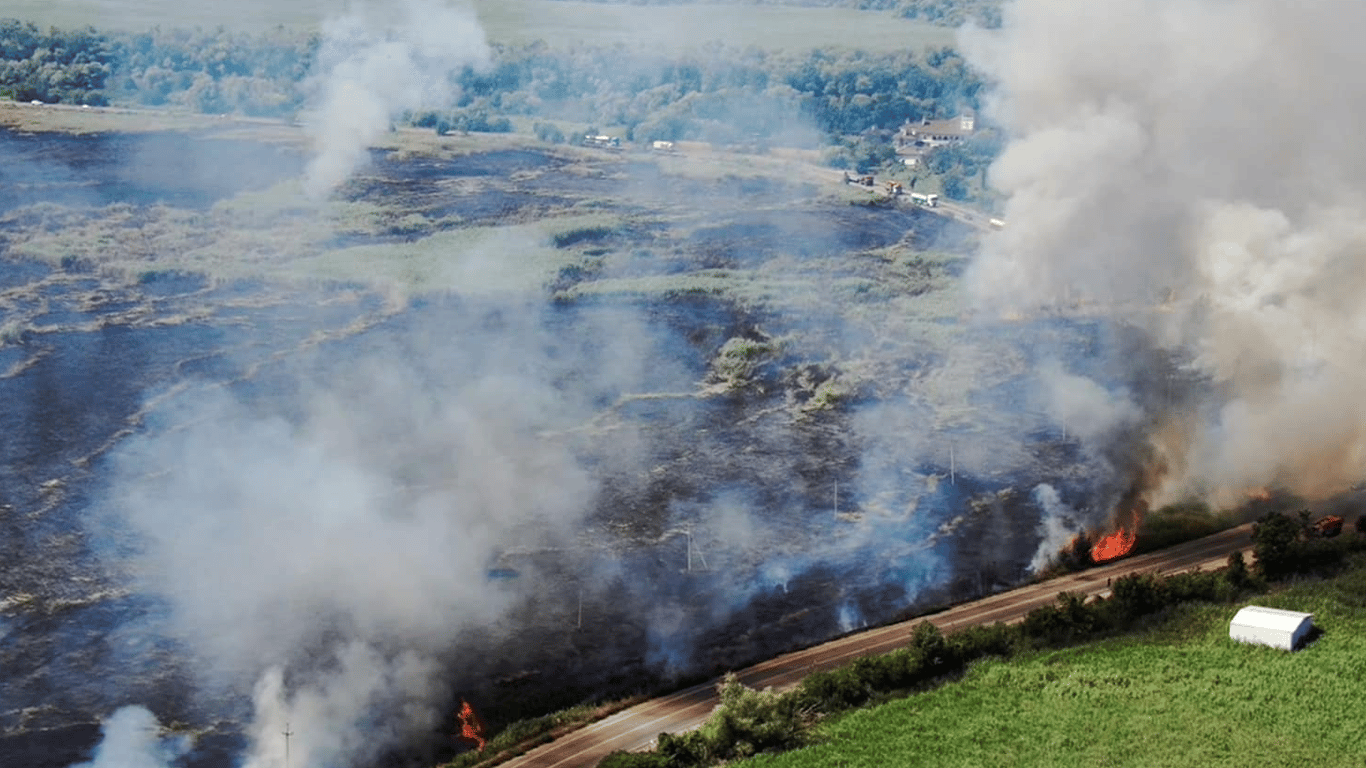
{"x":1273,"y":539}
{"x":549,"y":132}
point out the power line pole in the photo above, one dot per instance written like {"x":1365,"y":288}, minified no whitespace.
{"x":287,"y":734}
{"x":688,"y":533}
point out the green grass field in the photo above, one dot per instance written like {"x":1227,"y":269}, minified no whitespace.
{"x":671,"y":28}
{"x":1182,"y":694}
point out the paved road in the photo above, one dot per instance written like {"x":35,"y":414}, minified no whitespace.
{"x":637,"y":727}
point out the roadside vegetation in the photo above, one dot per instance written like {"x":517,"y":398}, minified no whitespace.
{"x":1163,"y":652}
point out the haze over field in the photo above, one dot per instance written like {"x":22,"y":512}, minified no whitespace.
{"x":670,"y":28}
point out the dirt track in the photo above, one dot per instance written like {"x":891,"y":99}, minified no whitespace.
{"x":636,"y":728}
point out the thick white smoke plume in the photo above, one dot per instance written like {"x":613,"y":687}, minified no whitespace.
{"x":379,"y":60}
{"x":1193,"y":167}
{"x":334,"y":557}
{"x":1058,"y":525}
{"x":132,"y":739}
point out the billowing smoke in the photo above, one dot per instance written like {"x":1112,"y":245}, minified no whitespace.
{"x":332,"y":550}
{"x":1191,"y":168}
{"x":1058,"y":525}
{"x":132,"y":739}
{"x":375,"y":62}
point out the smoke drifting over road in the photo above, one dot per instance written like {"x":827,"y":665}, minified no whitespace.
{"x":1192,"y":166}
{"x":375,"y":62}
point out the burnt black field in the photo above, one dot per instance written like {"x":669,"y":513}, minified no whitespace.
{"x":853,"y":514}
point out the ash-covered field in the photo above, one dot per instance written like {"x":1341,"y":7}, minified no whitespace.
{"x":721,"y":418}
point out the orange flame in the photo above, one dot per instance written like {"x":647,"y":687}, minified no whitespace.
{"x":471,"y":727}
{"x":1114,"y":546}
{"x":1259,"y":494}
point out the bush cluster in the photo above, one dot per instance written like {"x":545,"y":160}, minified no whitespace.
{"x":1287,"y":546}
{"x":746,"y":723}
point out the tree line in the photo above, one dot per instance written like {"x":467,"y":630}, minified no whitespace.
{"x":206,"y":71}
{"x":717,"y":93}
{"x":722,"y":94}
{"x":846,"y":100}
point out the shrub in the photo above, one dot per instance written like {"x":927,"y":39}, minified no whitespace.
{"x":749,"y":722}
{"x":1237,"y":574}
{"x":901,"y":668}
{"x":1195,"y":585}
{"x":972,"y":643}
{"x":1273,"y":539}
{"x":1139,"y":594}
{"x":930,"y":641}
{"x":832,"y":691}
{"x":549,"y":132}
{"x":683,"y":749}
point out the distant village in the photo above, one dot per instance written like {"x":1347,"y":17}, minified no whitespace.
{"x":914,"y":140}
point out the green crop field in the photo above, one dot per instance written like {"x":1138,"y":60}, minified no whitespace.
{"x":672,"y":28}
{"x":1181,"y":695}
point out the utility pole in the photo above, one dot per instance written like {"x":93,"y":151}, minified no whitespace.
{"x":837,"y":497}
{"x":953,"y":469}
{"x":287,"y":734}
{"x":688,"y":533}
{"x":580,"y":624}
{"x":701,"y":557}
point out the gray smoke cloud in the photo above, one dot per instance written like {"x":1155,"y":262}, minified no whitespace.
{"x":375,"y":62}
{"x":1191,"y":167}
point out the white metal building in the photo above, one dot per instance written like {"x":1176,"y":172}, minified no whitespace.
{"x":1270,"y":626}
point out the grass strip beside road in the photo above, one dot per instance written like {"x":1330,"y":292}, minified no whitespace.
{"x":1179,"y":694}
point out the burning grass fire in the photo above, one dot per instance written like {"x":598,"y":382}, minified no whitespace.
{"x":471,"y":727}
{"x":1116,"y":545}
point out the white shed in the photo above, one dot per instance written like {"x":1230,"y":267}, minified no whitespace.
{"x":1270,"y":626}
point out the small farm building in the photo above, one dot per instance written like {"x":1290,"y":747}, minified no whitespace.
{"x":1270,"y":626}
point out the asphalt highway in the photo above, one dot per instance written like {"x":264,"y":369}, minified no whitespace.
{"x":637,"y":728}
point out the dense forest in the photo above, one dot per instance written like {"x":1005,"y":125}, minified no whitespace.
{"x":719,"y":92}
{"x":848,"y":101}
{"x":218,"y":71}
